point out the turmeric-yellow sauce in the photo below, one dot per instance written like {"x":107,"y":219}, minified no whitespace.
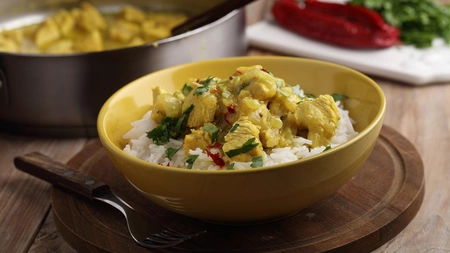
{"x":85,"y":29}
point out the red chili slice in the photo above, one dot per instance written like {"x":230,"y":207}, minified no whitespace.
{"x":225,"y":117}
{"x":232,"y":108}
{"x":215,"y":145}
{"x":216,"y":158}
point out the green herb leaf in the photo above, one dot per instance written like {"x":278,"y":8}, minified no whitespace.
{"x":230,"y":166}
{"x":186,"y":89}
{"x":246,"y":147}
{"x":257,"y":162}
{"x":327,"y":148}
{"x":337,"y":97}
{"x":419,"y":21}
{"x":190,"y":161}
{"x":162,"y":133}
{"x":170,"y":128}
{"x":206,"y":83}
{"x":235,"y":126}
{"x":310,"y":95}
{"x":213,"y":130}
{"x":181,"y":125}
{"x":170,"y":152}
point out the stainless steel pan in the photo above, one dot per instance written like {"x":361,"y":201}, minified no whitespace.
{"x":60,"y":95}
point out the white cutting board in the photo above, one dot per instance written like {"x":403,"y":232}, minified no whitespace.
{"x":403,"y":63}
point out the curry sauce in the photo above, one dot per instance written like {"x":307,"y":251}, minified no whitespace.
{"x":245,"y":115}
{"x":85,"y":29}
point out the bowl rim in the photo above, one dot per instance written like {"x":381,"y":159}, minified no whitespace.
{"x":106,"y":141}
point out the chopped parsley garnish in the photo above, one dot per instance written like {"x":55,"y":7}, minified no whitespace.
{"x":170,"y":128}
{"x":246,"y":147}
{"x":206,"y":83}
{"x":186,"y":89}
{"x":327,"y":148}
{"x":190,"y":161}
{"x":162,"y":133}
{"x":170,"y":152}
{"x":181,"y":125}
{"x":235,"y":126}
{"x":230,"y":166}
{"x":337,"y":97}
{"x":310,"y":95}
{"x":257,"y":162}
{"x":214,"y":131}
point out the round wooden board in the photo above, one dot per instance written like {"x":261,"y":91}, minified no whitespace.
{"x":367,"y":212}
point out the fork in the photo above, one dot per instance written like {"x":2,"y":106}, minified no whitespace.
{"x":145,"y":230}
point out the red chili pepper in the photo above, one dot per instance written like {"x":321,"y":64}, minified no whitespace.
{"x":265,"y":70}
{"x":339,"y":24}
{"x":232,"y":108}
{"x":225,"y":117}
{"x":214,"y":145}
{"x":216,"y":158}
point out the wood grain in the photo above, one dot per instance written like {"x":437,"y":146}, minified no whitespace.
{"x":372,"y":208}
{"x":23,"y":198}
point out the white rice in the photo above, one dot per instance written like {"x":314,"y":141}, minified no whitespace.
{"x":142,"y":147}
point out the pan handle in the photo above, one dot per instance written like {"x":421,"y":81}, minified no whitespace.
{"x":4,"y":96}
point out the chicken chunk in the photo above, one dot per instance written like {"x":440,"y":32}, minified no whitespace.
{"x":234,"y":140}
{"x":60,"y":47}
{"x":151,"y":31}
{"x":47,"y":33}
{"x":165,"y":105}
{"x":65,"y":22}
{"x":89,"y":19}
{"x":167,"y":19}
{"x":258,"y":83}
{"x":136,"y":41}
{"x":284,"y":102}
{"x":132,"y":14}
{"x":320,"y":116}
{"x":270,"y":137}
{"x":7,"y":45}
{"x":205,"y":106}
{"x":199,"y":138}
{"x":89,"y":43}
{"x":17,"y":36}
{"x":123,"y":31}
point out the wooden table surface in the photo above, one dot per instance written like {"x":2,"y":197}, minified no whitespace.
{"x":421,"y":114}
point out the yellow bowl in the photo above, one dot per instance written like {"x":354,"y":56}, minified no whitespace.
{"x":255,"y":195}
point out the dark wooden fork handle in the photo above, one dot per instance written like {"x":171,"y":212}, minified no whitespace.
{"x":58,"y":174}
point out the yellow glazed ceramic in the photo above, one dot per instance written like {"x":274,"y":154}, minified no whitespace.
{"x":259,"y":194}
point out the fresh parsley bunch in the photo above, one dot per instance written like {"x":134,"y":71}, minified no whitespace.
{"x":420,"y":21}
